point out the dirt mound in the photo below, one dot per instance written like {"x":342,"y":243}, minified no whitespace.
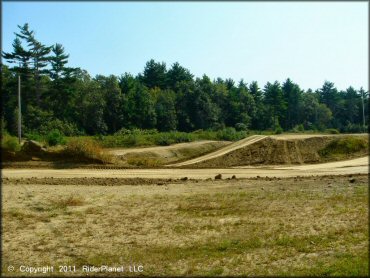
{"x":30,"y":150}
{"x":156,"y":156}
{"x":32,"y":147}
{"x":222,"y":151}
{"x":290,"y":150}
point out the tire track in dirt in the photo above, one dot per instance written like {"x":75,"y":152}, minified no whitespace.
{"x":232,"y":147}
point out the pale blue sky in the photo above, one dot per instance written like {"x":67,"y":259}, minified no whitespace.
{"x":309,"y":42}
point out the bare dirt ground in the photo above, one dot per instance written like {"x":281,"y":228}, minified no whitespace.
{"x":354,"y":166}
{"x":165,"y":150}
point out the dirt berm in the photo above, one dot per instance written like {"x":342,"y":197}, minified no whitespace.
{"x":275,"y":150}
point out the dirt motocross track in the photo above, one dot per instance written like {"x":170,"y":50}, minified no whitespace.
{"x":257,"y":155}
{"x":264,"y":156}
{"x":354,"y":166}
{"x":271,"y":150}
{"x":219,"y":153}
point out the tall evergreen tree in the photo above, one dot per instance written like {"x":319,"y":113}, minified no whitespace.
{"x":259,"y":118}
{"x":185,"y":91}
{"x":177,"y":74}
{"x":204,"y":112}
{"x":329,"y":96}
{"x":20,"y":57}
{"x":165,"y":110}
{"x":292,"y":97}
{"x":113,"y":110}
{"x":62,"y":89}
{"x":141,"y":110}
{"x":154,"y":75}
{"x":274,"y":100}
{"x":351,"y":105}
{"x":39,"y":55}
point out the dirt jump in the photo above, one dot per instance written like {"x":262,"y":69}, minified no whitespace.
{"x":168,"y":154}
{"x":229,"y":148}
{"x":280,"y":149}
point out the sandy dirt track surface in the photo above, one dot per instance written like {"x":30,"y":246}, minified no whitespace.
{"x":123,"y":151}
{"x":354,"y":166}
{"x":305,"y":136}
{"x":234,"y":146}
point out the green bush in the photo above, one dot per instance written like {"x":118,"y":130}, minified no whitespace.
{"x":230,"y":134}
{"x":278,"y":130}
{"x":353,"y":128}
{"x":298,"y":128}
{"x":164,"y":140}
{"x":205,"y":135}
{"x":139,"y":131}
{"x":122,"y":131}
{"x":55,"y":137}
{"x":10,"y":143}
{"x":168,"y":138}
{"x":180,"y":137}
{"x":241,"y":127}
{"x":35,"y":137}
{"x":217,"y":126}
{"x":130,"y":140}
{"x":68,"y":129}
{"x":343,"y":146}
{"x":3,"y":126}
{"x":332,"y":131}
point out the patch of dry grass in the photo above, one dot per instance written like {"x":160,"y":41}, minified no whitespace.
{"x":67,"y":201}
{"x":86,"y":149}
{"x":316,"y":226}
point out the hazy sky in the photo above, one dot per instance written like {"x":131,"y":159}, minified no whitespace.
{"x":309,"y":42}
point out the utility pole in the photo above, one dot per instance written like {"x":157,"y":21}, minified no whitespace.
{"x":363,"y":109}
{"x":19,"y":110}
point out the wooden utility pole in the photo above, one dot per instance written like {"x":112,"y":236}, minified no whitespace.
{"x":19,"y":110}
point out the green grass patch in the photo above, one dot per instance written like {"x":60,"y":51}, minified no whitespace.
{"x":338,"y":265}
{"x":345,"y":146}
{"x":10,"y":143}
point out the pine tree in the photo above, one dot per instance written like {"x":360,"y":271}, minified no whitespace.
{"x":274,"y":100}
{"x":39,"y":57}
{"x":292,"y":97}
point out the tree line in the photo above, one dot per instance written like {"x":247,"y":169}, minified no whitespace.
{"x":56,"y":96}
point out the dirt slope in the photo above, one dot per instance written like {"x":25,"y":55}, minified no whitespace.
{"x":167,"y":154}
{"x":272,"y":150}
{"x":219,"y":153}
